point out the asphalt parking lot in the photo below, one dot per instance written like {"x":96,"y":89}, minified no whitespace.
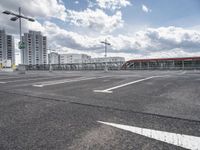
{"x":118,"y":110}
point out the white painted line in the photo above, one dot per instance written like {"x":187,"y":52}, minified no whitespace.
{"x":184,"y":72}
{"x":65,"y":81}
{"x":109,"y":90}
{"x":102,"y":91}
{"x":184,"y":141}
{"x":10,"y":78}
{"x":15,"y":77}
{"x":29,"y":79}
{"x":38,"y":85}
{"x":2,"y":82}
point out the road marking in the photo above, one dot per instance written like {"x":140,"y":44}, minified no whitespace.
{"x":109,"y":90}
{"x":65,"y":81}
{"x":16,"y":77}
{"x":185,"y":141}
{"x":184,"y":72}
{"x":10,"y":78}
{"x":38,"y":85}
{"x":2,"y":82}
{"x":29,"y":79}
{"x":39,"y":78}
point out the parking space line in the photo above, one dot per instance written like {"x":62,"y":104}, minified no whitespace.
{"x":16,"y":77}
{"x":181,"y":140}
{"x":29,"y":79}
{"x":5,"y":78}
{"x":109,"y":90}
{"x":2,"y":82}
{"x":66,"y":81}
{"x":183,"y":72}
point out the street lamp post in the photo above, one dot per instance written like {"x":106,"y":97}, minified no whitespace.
{"x":106,"y":44}
{"x":20,"y":25}
{"x":19,"y":16}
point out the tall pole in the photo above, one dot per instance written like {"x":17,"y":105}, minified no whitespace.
{"x":20,"y":33}
{"x":105,"y":48}
{"x":106,"y":43}
{"x":106,"y":67}
{"x":20,"y":25}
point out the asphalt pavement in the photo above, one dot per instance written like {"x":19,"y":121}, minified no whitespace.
{"x":87,"y":110}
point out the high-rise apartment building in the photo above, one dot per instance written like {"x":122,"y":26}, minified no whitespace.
{"x":3,"y":47}
{"x":10,"y":49}
{"x":7,"y":49}
{"x":35,"y":51}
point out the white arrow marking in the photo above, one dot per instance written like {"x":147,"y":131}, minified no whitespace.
{"x":109,"y":90}
{"x":185,"y":141}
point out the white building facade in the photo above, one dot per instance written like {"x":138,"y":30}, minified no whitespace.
{"x":107,"y":59}
{"x":74,"y":58}
{"x":35,"y":51}
{"x":83,"y":58}
{"x":7,"y":49}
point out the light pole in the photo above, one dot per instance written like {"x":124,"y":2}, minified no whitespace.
{"x":19,"y":16}
{"x":105,"y":43}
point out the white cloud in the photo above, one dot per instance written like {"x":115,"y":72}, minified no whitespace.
{"x":97,"y":20}
{"x":35,"y":8}
{"x":152,"y":42}
{"x":113,"y":4}
{"x":174,"y":37}
{"x":149,"y":43}
{"x":64,"y":38}
{"x":164,"y":40}
{"x":13,"y":27}
{"x":76,"y":2}
{"x":145,"y":9}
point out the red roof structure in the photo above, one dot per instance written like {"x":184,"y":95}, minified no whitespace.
{"x":181,"y":62}
{"x":165,"y":59}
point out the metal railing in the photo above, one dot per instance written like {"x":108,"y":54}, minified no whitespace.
{"x":110,"y":65}
{"x":76,"y":67}
{"x":176,"y":65}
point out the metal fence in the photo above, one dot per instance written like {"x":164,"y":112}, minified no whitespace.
{"x":162,"y":65}
{"x":186,"y":65}
{"x":77,"y":67}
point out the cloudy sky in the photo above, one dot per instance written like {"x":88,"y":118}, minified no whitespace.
{"x":135,"y":28}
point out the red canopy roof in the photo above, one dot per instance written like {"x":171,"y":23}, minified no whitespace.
{"x":165,"y":59}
